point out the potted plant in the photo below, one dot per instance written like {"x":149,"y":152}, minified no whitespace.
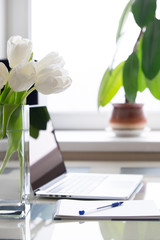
{"x":138,"y":72}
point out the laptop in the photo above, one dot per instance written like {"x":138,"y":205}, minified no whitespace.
{"x":49,"y":176}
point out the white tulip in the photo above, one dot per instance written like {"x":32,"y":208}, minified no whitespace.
{"x":51,"y":59}
{"x":22,"y":76}
{"x":52,"y":79}
{"x":19,"y":50}
{"x":3,"y":75}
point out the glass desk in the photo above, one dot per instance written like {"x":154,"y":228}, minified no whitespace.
{"x":39,"y":223}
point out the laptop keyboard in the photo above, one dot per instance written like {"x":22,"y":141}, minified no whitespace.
{"x":78,"y":184}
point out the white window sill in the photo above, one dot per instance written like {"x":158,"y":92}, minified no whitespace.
{"x":103,"y":141}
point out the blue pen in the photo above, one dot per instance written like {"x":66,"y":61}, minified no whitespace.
{"x":115,"y":204}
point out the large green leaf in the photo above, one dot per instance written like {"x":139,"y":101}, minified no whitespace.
{"x":141,"y":78}
{"x":151,"y":50}
{"x":144,"y":11}
{"x":110,"y":84}
{"x":154,"y":86}
{"x":123,"y":19}
{"x":141,"y":81}
{"x":130,"y":77}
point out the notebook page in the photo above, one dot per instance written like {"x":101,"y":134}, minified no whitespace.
{"x":136,"y":209}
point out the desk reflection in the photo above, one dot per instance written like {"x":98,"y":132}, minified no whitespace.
{"x":107,"y":230}
{"x":15,"y":229}
{"x":39,"y":223}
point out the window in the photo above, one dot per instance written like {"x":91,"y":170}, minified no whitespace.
{"x":84,"y":33}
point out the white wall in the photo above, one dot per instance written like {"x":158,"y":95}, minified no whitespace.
{"x":18,"y":18}
{"x":2,"y":29}
{"x":14,"y":20}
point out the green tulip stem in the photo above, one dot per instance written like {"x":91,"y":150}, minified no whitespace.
{"x":8,"y":95}
{"x":21,"y":167}
{"x":26,"y":94}
{"x":7,"y":156}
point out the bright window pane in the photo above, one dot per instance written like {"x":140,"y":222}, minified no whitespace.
{"x":84,"y":33}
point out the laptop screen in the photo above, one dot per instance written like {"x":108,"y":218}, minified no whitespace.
{"x":46,"y":162}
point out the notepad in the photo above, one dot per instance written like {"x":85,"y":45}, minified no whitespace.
{"x":133,"y":209}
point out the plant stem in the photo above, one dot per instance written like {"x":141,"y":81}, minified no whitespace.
{"x":138,"y":40}
{"x":27,"y":94}
{"x":126,"y":100}
{"x":7,"y":156}
{"x":20,"y":156}
{"x":8,"y":95}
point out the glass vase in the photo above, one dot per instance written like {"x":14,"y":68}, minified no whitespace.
{"x":14,"y":161}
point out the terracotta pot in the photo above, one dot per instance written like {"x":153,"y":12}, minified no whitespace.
{"x":128,"y":116}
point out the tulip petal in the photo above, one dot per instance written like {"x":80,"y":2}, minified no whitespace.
{"x":19,"y":50}
{"x":52,"y":80}
{"x":52,"y":58}
{"x":3,"y":75}
{"x":66,"y":82}
{"x":22,"y":77}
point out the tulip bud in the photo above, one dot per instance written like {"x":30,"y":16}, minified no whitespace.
{"x":52,"y":79}
{"x":22,"y":76}
{"x":51,"y":59}
{"x":3,"y":75}
{"x":19,"y":50}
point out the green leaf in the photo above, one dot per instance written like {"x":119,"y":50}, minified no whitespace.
{"x":144,"y":11}
{"x":154,"y":86}
{"x":130,"y":77}
{"x":15,"y":121}
{"x":39,"y":118}
{"x":31,"y":57}
{"x":8,"y":109}
{"x":151,"y":50}
{"x":1,"y":121}
{"x":34,"y":132}
{"x":14,"y":132}
{"x":18,"y":96}
{"x":123,"y":19}
{"x":110,"y":84}
{"x":141,"y":81}
{"x":13,"y":145}
{"x":4,"y":93}
{"x":141,"y":78}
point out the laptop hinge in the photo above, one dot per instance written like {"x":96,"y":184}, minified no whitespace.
{"x":36,"y":191}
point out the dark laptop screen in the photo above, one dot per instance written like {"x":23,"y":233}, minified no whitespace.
{"x":46,"y":161}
